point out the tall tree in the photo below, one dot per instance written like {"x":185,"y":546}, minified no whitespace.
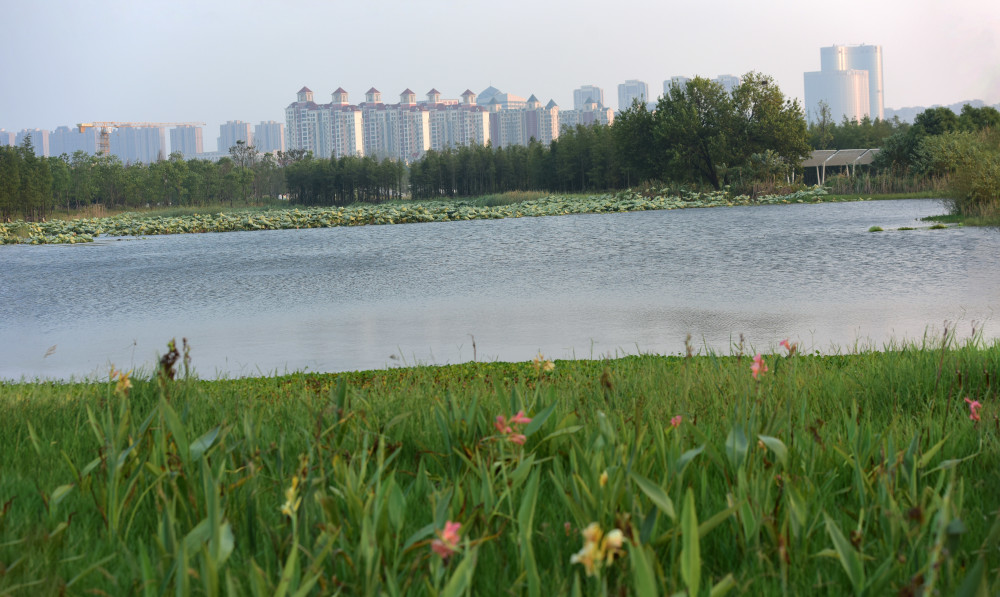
{"x":695,"y":127}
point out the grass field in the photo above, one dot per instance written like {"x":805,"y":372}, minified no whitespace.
{"x":788,"y":474}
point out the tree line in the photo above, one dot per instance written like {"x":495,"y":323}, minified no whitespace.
{"x":698,"y":134}
{"x":750,"y":139}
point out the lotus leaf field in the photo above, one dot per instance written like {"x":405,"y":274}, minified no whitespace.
{"x":406,"y":212}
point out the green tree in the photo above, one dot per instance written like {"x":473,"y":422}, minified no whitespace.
{"x":11,"y":164}
{"x":636,"y":144}
{"x":936,"y":121}
{"x":766,"y":121}
{"x":977,"y":119}
{"x":695,"y":128}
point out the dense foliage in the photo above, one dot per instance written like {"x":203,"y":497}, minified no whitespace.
{"x":774,"y":474}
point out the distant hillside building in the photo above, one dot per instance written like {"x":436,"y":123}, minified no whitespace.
{"x":187,"y":140}
{"x":269,"y":136}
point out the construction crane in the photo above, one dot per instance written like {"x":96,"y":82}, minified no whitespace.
{"x":104,"y":134}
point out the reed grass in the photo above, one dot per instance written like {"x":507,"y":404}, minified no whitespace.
{"x":861,"y":474}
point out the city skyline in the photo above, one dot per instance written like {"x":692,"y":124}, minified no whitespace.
{"x":225,"y":60}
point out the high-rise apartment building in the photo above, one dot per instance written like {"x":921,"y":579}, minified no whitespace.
{"x":588,"y":114}
{"x":519,"y":125}
{"x":849,"y":82}
{"x":68,"y":140}
{"x":186,"y":140}
{"x":401,"y":131}
{"x":39,"y":140}
{"x":233,"y":131}
{"x":7,"y":138}
{"x":139,"y":143}
{"x":454,"y":123}
{"x":632,"y":90}
{"x":269,"y":136}
{"x":584,"y":95}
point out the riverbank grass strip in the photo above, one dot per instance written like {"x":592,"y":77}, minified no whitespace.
{"x":769,"y":473}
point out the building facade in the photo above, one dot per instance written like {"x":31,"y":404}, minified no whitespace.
{"x":584,"y":95}
{"x":588,"y":114}
{"x":187,"y":140}
{"x":68,"y":140}
{"x":864,"y":58}
{"x":838,"y":83}
{"x":455,"y":123}
{"x":269,"y":136}
{"x":145,"y":144}
{"x":39,"y":140}
{"x":518,"y":126}
{"x":630,"y":91}
{"x":233,"y":131}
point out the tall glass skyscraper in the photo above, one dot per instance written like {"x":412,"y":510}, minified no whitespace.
{"x":849,"y":82}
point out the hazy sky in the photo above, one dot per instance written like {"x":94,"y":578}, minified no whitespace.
{"x":70,"y":61}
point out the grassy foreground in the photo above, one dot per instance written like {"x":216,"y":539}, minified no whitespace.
{"x":865,"y":474}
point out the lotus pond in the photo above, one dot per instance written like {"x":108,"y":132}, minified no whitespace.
{"x":134,"y":224}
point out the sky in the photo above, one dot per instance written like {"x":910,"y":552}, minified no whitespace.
{"x":69,"y":61}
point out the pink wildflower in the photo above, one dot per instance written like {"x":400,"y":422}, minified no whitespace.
{"x":789,"y":346}
{"x":759,"y":366}
{"x":447,"y":541}
{"x":502,"y":425}
{"x":512,"y":427}
{"x":974,"y":406}
{"x":520,"y":418}
{"x":676,"y":421}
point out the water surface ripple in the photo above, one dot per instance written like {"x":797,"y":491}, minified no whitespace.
{"x":338,"y":299}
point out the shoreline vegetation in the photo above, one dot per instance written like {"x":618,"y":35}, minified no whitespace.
{"x":869,"y":473}
{"x":507,"y":205}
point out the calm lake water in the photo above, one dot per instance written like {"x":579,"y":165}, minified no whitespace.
{"x":571,"y":286}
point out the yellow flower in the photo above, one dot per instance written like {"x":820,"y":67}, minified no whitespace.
{"x":598,"y":549}
{"x":542,"y":365}
{"x":612,"y":545}
{"x":604,"y":479}
{"x":124,"y":383}
{"x":292,"y":501}
{"x":590,"y":555}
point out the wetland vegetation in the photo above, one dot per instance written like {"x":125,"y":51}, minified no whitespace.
{"x":775,"y":473}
